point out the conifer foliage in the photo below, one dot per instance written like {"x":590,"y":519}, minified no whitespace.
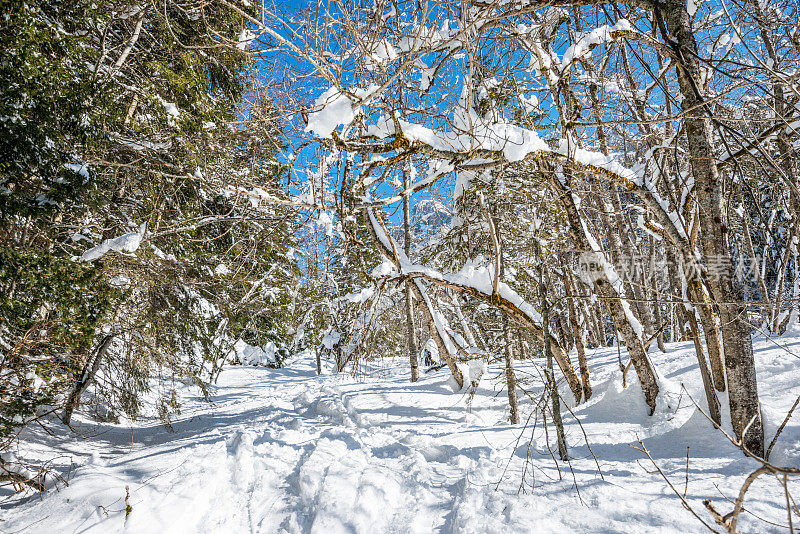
{"x":128,"y":250}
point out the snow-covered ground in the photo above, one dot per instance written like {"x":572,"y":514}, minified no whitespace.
{"x":287,"y":451}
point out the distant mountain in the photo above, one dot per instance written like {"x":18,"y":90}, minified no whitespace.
{"x":429,"y":216}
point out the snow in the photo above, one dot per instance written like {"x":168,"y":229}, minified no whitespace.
{"x":285,"y":450}
{"x":469,"y":133}
{"x":591,"y":39}
{"x":80,"y":168}
{"x":247,"y":354}
{"x":426,"y":75}
{"x":513,"y":141}
{"x":380,"y":54}
{"x":10,"y":464}
{"x":125,"y":243}
{"x":324,"y":220}
{"x":569,"y":148}
{"x":172,"y":110}
{"x":531,"y":103}
{"x":331,"y":339}
{"x":246,"y":36}
{"x":360,"y":296}
{"x":141,"y":144}
{"x":333,"y":109}
{"x":424,"y":36}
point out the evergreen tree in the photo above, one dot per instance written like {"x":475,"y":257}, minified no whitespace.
{"x":118,"y":129}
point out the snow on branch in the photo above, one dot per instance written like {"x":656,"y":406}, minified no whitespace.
{"x":125,"y":243}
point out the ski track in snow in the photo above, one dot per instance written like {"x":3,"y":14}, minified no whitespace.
{"x":287,"y":451}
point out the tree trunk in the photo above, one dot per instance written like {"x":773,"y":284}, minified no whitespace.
{"x":751,"y":251}
{"x":658,"y":319}
{"x":623,"y":319}
{"x":594,"y":318}
{"x":438,"y":339}
{"x":412,"y":333}
{"x":87,"y":375}
{"x":708,"y":386}
{"x":676,"y":295}
{"x":775,"y":325}
{"x":412,"y":336}
{"x":633,"y":343}
{"x":577,"y":332}
{"x":710,"y":320}
{"x":551,"y":381}
{"x":511,"y":379}
{"x":737,"y":345}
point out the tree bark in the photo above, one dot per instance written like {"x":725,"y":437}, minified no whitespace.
{"x":594,"y":319}
{"x":577,"y":332}
{"x":775,"y":324}
{"x":616,"y":306}
{"x":737,"y":345}
{"x":87,"y":375}
{"x":551,"y":382}
{"x":511,"y":378}
{"x":708,"y":386}
{"x":658,"y":319}
{"x":412,"y":333}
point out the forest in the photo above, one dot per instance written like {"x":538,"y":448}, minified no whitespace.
{"x":399,"y":266}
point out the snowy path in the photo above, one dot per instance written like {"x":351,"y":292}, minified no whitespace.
{"x":287,"y":451}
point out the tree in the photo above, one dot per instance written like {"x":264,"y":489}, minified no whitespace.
{"x":130,"y":188}
{"x":456,"y":92}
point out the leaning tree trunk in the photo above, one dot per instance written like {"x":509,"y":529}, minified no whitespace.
{"x":737,"y":345}
{"x":436,"y":335}
{"x":697,"y":293}
{"x":374,"y":227}
{"x":87,"y":375}
{"x":708,"y":386}
{"x":616,"y":304}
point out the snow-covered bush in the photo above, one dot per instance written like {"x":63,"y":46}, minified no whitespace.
{"x":268,"y":355}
